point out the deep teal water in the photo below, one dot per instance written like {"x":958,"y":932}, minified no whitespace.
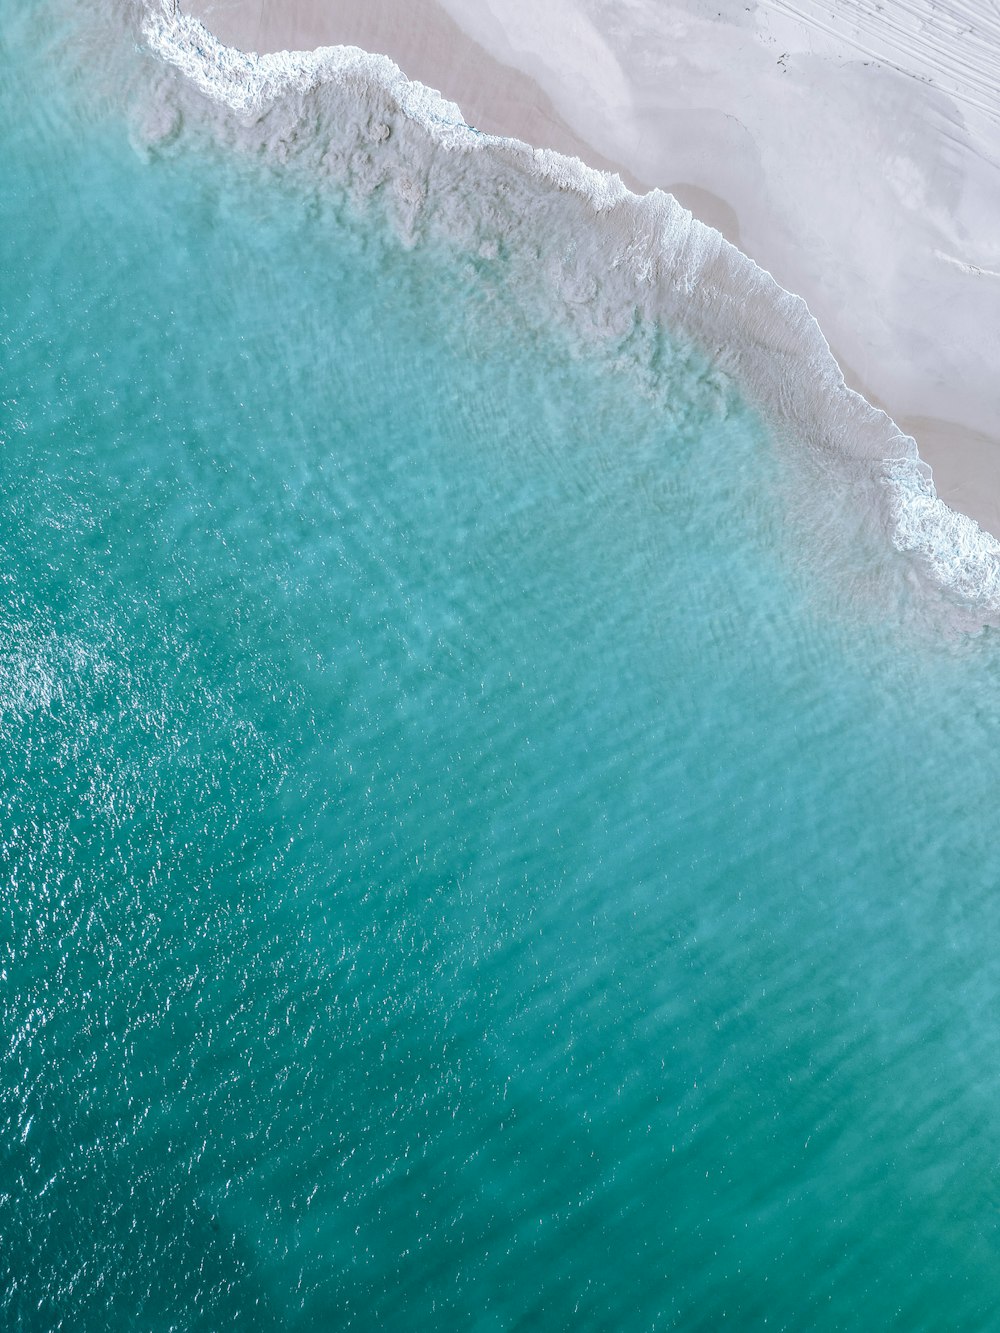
{"x":456,"y":870}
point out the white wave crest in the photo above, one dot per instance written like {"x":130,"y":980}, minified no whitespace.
{"x":607,"y":255}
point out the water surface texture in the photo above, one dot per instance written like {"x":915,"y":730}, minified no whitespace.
{"x":458,"y":869}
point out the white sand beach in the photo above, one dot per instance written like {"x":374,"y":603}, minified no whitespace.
{"x":854,"y":155}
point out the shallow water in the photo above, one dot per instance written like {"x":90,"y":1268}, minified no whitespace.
{"x":455,"y":872}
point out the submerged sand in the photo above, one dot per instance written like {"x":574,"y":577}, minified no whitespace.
{"x":857,"y":159}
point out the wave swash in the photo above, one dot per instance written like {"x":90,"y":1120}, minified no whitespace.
{"x":605,"y":255}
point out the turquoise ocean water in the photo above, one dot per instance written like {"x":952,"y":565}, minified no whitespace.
{"x":458,"y":870}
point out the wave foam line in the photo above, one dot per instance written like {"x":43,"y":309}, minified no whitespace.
{"x":608,"y":255}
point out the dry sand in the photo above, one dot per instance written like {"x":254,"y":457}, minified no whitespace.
{"x":856,"y":158}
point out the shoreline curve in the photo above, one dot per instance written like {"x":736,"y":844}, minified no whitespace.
{"x":640,"y":256}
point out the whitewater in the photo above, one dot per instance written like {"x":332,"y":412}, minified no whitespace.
{"x":605,"y":255}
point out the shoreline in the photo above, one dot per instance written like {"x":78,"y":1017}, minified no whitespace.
{"x":430,"y":47}
{"x":605,"y":255}
{"x":431,"y":41}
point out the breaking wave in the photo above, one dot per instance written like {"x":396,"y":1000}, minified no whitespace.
{"x":606,"y":257}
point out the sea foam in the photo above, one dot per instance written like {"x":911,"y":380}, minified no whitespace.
{"x":605,"y":256}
